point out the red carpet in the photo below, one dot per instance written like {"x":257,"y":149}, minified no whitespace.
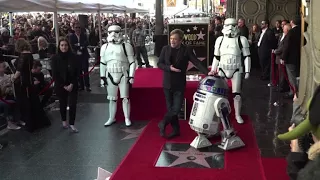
{"x":147,"y":98}
{"x":275,"y":168}
{"x":240,"y":164}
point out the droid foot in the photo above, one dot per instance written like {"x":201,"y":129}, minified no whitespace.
{"x":233,"y":142}
{"x":239,"y":119}
{"x":200,"y":142}
{"x":128,"y":122}
{"x":109,"y":122}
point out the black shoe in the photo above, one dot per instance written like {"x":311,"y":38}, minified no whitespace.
{"x":88,"y":89}
{"x":162,"y":127}
{"x":175,"y":126}
{"x":149,"y":66}
{"x":173,"y":134}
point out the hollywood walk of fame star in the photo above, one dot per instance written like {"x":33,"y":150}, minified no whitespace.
{"x":201,"y":36}
{"x":132,"y":133}
{"x":103,"y":174}
{"x":188,"y":30}
{"x":195,"y":28}
{"x":191,"y":155}
{"x":190,"y":65}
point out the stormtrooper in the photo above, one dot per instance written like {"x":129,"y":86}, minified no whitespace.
{"x":227,"y":62}
{"x":117,"y":69}
{"x":211,"y":106}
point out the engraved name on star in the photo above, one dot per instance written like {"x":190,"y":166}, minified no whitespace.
{"x":132,"y":133}
{"x":201,"y":36}
{"x":191,"y":155}
{"x":195,"y":28}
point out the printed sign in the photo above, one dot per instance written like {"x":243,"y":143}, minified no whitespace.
{"x":196,"y":36}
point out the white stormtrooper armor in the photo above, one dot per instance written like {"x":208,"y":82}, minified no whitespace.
{"x":117,"y":69}
{"x":227,"y":60}
{"x":209,"y":107}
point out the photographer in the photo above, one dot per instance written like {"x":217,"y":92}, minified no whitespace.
{"x":304,"y":162}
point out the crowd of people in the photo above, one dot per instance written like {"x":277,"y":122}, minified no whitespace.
{"x":30,"y":61}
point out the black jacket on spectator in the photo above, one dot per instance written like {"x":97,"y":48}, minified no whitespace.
{"x":65,"y":71}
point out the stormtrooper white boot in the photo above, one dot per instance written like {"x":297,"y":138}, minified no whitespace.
{"x":126,"y":111}
{"x":237,"y":108}
{"x":112,"y":112}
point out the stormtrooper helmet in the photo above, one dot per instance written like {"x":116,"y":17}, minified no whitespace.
{"x":114,"y":34}
{"x":230,"y":28}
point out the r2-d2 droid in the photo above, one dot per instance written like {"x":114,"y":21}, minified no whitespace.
{"x":211,"y":106}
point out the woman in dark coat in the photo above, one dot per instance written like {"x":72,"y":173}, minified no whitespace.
{"x":31,"y":111}
{"x":66,"y":73}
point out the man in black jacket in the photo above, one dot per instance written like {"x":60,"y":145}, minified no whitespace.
{"x":174,"y":60}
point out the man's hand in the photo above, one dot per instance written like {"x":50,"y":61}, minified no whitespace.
{"x":104,"y":81}
{"x":294,"y":144}
{"x":70,"y":87}
{"x":246,"y":76}
{"x":173,"y":69}
{"x":282,"y":62}
{"x":212,"y":73}
{"x":36,"y":82}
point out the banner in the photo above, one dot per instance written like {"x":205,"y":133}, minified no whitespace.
{"x":196,"y":36}
{"x":171,"y":3}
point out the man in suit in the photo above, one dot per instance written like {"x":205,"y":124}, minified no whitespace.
{"x":267,"y":42}
{"x":291,"y":56}
{"x":79,"y":43}
{"x":244,"y":31}
{"x":279,"y":52}
{"x":174,"y":60}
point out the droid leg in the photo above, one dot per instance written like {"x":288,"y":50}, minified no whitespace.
{"x":200,"y":142}
{"x":112,"y":97}
{"x":236,"y":89}
{"x":229,"y":138}
{"x":124,"y":93}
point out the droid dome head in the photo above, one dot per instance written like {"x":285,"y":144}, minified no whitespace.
{"x":114,"y":34}
{"x":215,"y":85}
{"x":230,"y":28}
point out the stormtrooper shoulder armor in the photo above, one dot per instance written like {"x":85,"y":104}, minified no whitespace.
{"x":103,"y":49}
{"x":245,"y":46}
{"x":129,"y":49}
{"x":217,"y":46}
{"x":244,"y":42}
{"x":218,"y":42}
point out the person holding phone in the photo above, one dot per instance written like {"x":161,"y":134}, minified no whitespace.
{"x":174,"y":60}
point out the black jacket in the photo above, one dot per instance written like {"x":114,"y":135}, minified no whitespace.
{"x":65,"y":72}
{"x":177,"y":80}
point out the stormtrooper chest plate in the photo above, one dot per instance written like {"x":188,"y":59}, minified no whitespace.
{"x":230,"y":54}
{"x":115,"y":52}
